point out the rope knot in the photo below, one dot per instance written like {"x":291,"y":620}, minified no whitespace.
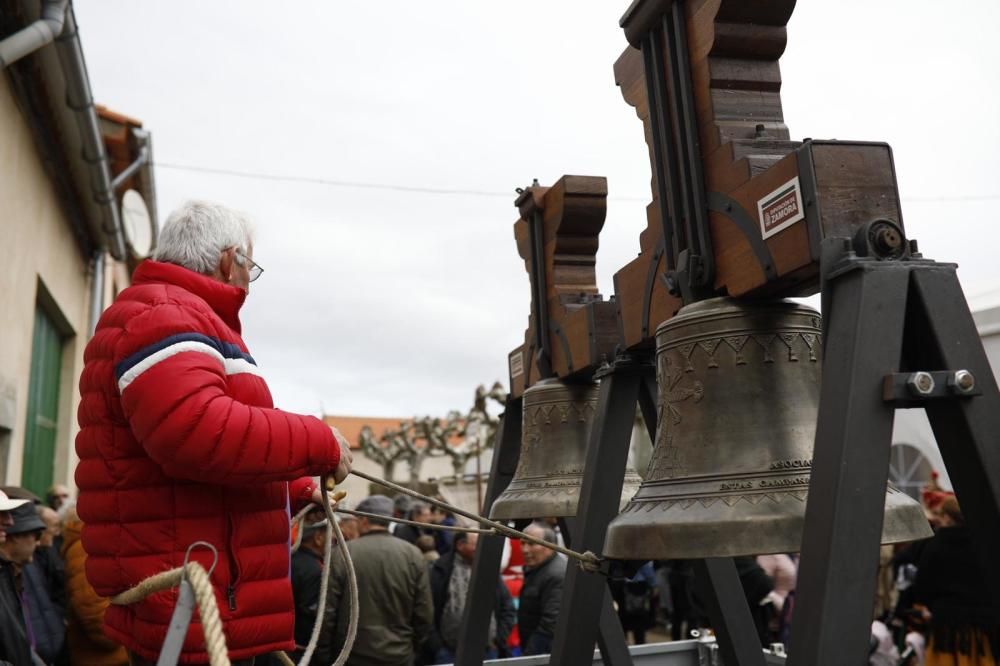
{"x":590,"y":563}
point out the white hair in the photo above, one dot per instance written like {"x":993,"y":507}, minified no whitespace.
{"x":195,"y":234}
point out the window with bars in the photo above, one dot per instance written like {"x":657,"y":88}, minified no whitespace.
{"x":909,"y":469}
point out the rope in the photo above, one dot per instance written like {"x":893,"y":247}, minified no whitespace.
{"x":588,"y":561}
{"x":352,"y":585}
{"x":211,"y":622}
{"x":429,"y":526}
{"x":300,"y":518}
{"x":215,"y":640}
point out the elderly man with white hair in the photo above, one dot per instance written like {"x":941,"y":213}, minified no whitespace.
{"x":180,"y":442}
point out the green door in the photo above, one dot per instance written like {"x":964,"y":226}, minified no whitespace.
{"x":43,"y":403}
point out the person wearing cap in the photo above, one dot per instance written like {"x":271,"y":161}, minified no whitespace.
{"x":44,"y":620}
{"x":395,"y":611}
{"x":180,"y":442}
{"x":14,"y":646}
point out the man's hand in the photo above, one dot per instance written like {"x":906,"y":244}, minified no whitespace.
{"x":346,"y":459}
{"x":317,"y":499}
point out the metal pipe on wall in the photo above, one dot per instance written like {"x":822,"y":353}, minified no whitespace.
{"x":33,"y":37}
{"x":128,"y":171}
{"x":96,"y":292}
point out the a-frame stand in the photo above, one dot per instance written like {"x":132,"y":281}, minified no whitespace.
{"x":627,"y":383}
{"x":586,"y":602}
{"x":890,"y":326}
{"x":482,"y":587}
{"x":898,"y":334}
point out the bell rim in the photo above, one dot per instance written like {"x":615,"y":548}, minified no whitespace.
{"x":753,"y":532}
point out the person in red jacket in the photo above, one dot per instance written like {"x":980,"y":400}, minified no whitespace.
{"x":180,"y":442}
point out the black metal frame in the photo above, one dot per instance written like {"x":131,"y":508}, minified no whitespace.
{"x":680,"y":188}
{"x":883,"y":318}
{"x":539,"y":288}
{"x":489,"y":549}
{"x":586,"y":599}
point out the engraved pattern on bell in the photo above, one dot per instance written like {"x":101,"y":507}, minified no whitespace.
{"x":729,"y":475}
{"x":556,"y":420}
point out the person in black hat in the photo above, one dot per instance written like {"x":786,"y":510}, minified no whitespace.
{"x":17,"y":545}
{"x":47,"y":628}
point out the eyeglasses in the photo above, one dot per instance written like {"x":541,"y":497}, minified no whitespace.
{"x":252,"y":266}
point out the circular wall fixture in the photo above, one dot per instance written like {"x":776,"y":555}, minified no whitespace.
{"x":137,"y":223}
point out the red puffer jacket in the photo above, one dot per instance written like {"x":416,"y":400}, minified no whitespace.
{"x":179,"y":442}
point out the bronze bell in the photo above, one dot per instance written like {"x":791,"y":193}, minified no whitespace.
{"x":556,"y":420}
{"x":739,"y":387}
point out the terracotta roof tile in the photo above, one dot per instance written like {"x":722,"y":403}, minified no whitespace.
{"x":350,"y":427}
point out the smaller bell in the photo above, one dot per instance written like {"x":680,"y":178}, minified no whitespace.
{"x":556,"y":420}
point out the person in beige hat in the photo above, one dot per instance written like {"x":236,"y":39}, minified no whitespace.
{"x":6,"y":517}
{"x":14,"y":645}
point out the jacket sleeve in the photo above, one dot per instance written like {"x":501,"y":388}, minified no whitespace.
{"x":306,"y":579}
{"x":540,"y":640}
{"x":422,"y":619}
{"x":300,"y":493}
{"x":333,"y":630}
{"x":175,"y":395}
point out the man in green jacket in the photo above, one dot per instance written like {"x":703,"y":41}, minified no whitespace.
{"x":396,"y":613}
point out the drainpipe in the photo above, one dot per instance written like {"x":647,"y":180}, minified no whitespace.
{"x":97,"y":291}
{"x":35,"y":36}
{"x":145,"y":140}
{"x":80,"y":100}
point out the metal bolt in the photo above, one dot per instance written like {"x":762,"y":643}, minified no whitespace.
{"x":921,"y":383}
{"x":887,"y":240}
{"x":965,"y":381}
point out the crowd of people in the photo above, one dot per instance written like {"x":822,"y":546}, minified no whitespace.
{"x":49,"y":612}
{"x":932,"y":608}
{"x":415,"y":584}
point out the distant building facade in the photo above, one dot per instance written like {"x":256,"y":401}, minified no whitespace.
{"x":65,"y":249}
{"x":436,"y":470}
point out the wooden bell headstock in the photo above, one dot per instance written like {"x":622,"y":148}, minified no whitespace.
{"x":737,"y":207}
{"x":703,"y":77}
{"x":571,"y":327}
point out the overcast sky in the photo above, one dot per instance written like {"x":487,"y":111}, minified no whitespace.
{"x":393,"y":302}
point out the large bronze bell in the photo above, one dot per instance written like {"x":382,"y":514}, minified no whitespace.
{"x":739,"y":387}
{"x":556,"y":419}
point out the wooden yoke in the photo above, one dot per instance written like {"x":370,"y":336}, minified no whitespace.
{"x":571,"y":328}
{"x":745,"y":208}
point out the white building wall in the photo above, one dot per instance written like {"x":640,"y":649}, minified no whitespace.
{"x":36,"y":246}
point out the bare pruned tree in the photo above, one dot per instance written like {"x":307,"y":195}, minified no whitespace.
{"x":460,"y":437}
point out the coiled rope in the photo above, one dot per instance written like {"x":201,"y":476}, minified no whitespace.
{"x":201,"y":584}
{"x":215,"y":642}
